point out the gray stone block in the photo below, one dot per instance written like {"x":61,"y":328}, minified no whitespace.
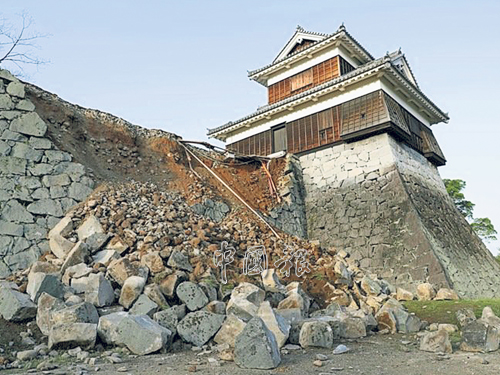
{"x":30,"y":124}
{"x":15,"y":306}
{"x":11,"y":229}
{"x":191,"y":295}
{"x":10,"y":165}
{"x":14,"y":211}
{"x":200,"y":326}
{"x":256,"y":347}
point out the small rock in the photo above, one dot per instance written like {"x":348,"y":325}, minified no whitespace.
{"x":340,"y":349}
{"x":446,"y":294}
{"x":318,"y":363}
{"x":425,"y":292}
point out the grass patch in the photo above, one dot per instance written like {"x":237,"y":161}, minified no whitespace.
{"x":444,"y":311}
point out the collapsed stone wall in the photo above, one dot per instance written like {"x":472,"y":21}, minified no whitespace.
{"x":38,"y":182}
{"x":290,"y":215}
{"x":387,"y":206}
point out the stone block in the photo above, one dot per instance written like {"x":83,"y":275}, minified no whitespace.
{"x":10,"y":165}
{"x":46,"y":305}
{"x":6,"y":102}
{"x":24,"y":151}
{"x":78,"y":254}
{"x":479,"y":336}
{"x":278,"y":325}
{"x":144,"y":306}
{"x":83,"y":312}
{"x":72,"y":335}
{"x":89,"y":227}
{"x":256,"y":347}
{"x":29,"y":124}
{"x":46,"y":207}
{"x":40,"y":143}
{"x":16,"y":89}
{"x":142,"y":335}
{"x":25,"y":105}
{"x":40,"y":282}
{"x":107,"y":329}
{"x":229,"y":330}
{"x":11,"y":229}
{"x":99,"y":290}
{"x":200,"y":326}
{"x":79,"y":191}
{"x":316,"y":334}
{"x":191,"y":295}
{"x":15,"y":306}
{"x":131,"y":290}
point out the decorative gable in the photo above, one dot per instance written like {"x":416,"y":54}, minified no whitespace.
{"x":300,"y":40}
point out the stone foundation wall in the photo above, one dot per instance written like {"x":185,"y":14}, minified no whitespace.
{"x":387,"y":206}
{"x":38,"y":182}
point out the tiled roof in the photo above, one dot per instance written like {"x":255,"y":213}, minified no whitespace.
{"x":341,"y":31}
{"x":338,"y":80}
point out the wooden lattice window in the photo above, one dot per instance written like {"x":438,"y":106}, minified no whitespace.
{"x":302,"y":79}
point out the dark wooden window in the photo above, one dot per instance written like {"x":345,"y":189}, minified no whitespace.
{"x":345,"y":67}
{"x":279,"y":139}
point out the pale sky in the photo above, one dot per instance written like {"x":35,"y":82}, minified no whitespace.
{"x":181,"y":66}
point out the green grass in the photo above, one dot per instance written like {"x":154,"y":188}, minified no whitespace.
{"x":444,"y":311}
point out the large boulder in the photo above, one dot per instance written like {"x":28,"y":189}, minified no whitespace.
{"x":316,"y":334}
{"x":83,"y":312}
{"x":46,"y":305}
{"x":230,"y":329}
{"x":143,"y":306}
{"x":90,"y":226}
{"x":436,"y":342}
{"x":479,"y":336}
{"x":131,"y":290}
{"x":142,"y":335}
{"x":200,"y":326}
{"x":40,"y":282}
{"x":191,"y":295}
{"x":99,"y":290}
{"x":256,"y":347}
{"x":107,"y":329}
{"x":15,"y":306}
{"x":242,"y":308}
{"x":72,"y":335}
{"x":274,"y":322}
{"x":250,"y":292}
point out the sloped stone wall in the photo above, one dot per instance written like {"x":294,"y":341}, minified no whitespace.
{"x":38,"y":182}
{"x":387,"y":206}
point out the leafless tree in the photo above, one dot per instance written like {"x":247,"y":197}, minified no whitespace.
{"x":18,"y":44}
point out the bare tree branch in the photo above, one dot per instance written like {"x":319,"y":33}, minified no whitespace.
{"x":17,"y":44}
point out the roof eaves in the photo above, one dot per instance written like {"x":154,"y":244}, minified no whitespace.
{"x":362,"y":69}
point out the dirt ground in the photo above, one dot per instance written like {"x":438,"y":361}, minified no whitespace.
{"x":387,"y":354}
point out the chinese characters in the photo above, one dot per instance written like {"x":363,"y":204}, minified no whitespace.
{"x":255,"y":261}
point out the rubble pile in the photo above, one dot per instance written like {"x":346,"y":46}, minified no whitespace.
{"x":133,"y":267}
